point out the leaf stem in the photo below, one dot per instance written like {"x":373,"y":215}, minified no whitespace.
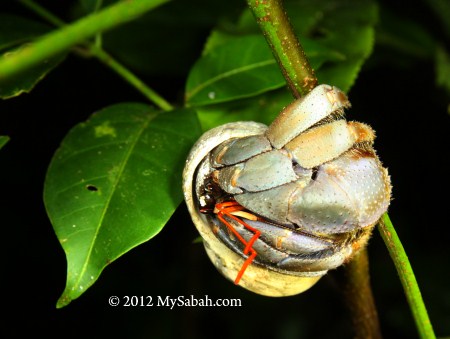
{"x":407,"y":277}
{"x":98,"y":36}
{"x":96,"y":50}
{"x":43,"y":13}
{"x":274,"y":23}
{"x":109,"y":61}
{"x":3,"y":140}
{"x":62,"y":39}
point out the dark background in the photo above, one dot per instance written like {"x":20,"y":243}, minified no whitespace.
{"x":401,"y":103}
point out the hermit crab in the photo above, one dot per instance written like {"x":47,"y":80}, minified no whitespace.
{"x":279,"y":206}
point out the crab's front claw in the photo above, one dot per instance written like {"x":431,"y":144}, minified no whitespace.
{"x":321,"y":102}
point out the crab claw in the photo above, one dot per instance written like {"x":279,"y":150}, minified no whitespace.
{"x":296,"y":118}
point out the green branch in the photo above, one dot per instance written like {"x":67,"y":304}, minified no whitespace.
{"x":274,"y":22}
{"x":43,"y":13}
{"x":130,"y":77}
{"x":70,"y":35}
{"x":98,"y":36}
{"x":96,"y":50}
{"x":299,"y":75}
{"x":407,"y":277}
{"x":3,"y":140}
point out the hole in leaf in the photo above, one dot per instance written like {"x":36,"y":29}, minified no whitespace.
{"x":91,"y":188}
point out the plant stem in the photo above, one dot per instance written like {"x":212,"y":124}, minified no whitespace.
{"x":130,"y":77}
{"x":96,"y":50}
{"x":43,"y":13}
{"x":299,"y":75}
{"x":69,"y":35}
{"x":288,"y":52}
{"x":279,"y":34}
{"x":354,"y":282}
{"x":407,"y":277}
{"x":3,"y":140}
{"x":98,"y":36}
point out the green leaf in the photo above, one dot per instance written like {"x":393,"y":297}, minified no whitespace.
{"x":441,"y":9}
{"x":403,"y":36}
{"x":262,"y":108}
{"x":239,"y":67}
{"x":113,"y":184}
{"x":337,"y":37}
{"x":242,"y":67}
{"x":443,"y":69}
{"x":15,"y":31}
{"x":25,"y":81}
{"x":216,"y":39}
{"x":173,"y":35}
{"x":3,"y":140}
{"x":64,"y":38}
{"x":343,"y":26}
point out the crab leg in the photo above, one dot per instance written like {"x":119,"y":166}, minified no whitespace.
{"x":326,"y":142}
{"x":228,"y":209}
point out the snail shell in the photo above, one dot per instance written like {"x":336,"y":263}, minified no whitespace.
{"x":256,"y":278}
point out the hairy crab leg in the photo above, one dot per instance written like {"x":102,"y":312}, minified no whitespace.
{"x":227,"y":209}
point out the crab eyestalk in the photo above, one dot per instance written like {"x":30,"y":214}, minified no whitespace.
{"x":305,"y":194}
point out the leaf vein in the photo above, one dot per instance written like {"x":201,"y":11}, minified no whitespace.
{"x":224,"y":75}
{"x":109,"y":198}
